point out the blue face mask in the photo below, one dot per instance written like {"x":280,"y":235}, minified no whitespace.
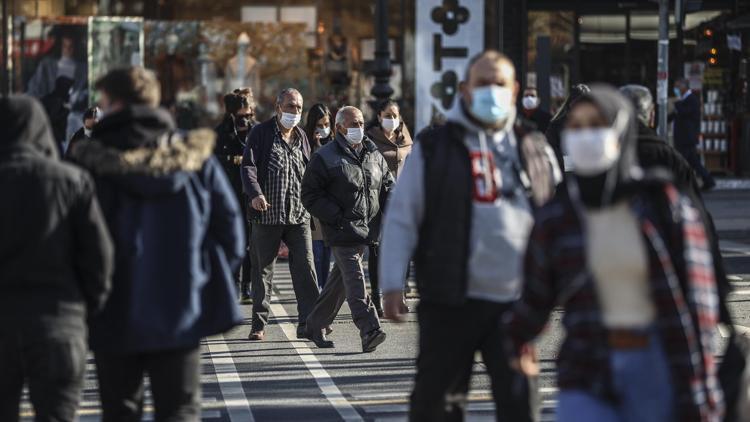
{"x":491,"y":104}
{"x":677,"y":92}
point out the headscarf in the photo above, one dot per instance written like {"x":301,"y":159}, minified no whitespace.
{"x":606,"y":188}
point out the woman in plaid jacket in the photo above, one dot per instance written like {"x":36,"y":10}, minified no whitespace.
{"x":626,"y":256}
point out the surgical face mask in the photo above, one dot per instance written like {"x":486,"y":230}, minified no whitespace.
{"x":592,"y":151}
{"x":354,"y":135}
{"x":87,"y":132}
{"x":677,"y":92}
{"x":491,"y":104}
{"x":289,"y":120}
{"x":389,"y":125}
{"x":323,"y":132}
{"x":530,"y":102}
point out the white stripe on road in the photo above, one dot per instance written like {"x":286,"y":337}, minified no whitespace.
{"x":230,"y":384}
{"x":321,"y":376}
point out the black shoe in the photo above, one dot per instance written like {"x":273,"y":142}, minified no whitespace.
{"x":372,"y":340}
{"x":301,"y":332}
{"x":245,"y":299}
{"x":317,"y":337}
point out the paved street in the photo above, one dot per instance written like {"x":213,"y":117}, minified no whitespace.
{"x":282,"y":379}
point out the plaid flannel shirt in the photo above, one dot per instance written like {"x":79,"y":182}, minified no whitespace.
{"x":682,"y":285}
{"x":283,"y":185}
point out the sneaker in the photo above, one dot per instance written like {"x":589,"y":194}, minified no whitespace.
{"x":372,"y":340}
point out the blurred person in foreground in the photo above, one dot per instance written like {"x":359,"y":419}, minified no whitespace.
{"x":637,"y":285}
{"x":231,"y":138}
{"x":178,"y":236}
{"x":319,"y":132}
{"x":345,"y":186}
{"x":557,"y":124}
{"x":389,"y":133}
{"x":463,"y":207}
{"x":55,"y":270}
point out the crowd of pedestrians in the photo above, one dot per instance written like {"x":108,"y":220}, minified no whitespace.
{"x":152,"y":236}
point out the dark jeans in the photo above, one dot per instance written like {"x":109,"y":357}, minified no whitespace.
{"x":322,"y":257}
{"x":346,"y":282}
{"x":175,"y":385}
{"x":372,"y":267}
{"x":448,"y":339}
{"x":266,"y":241}
{"x":51,"y":359}
{"x":693,"y":158}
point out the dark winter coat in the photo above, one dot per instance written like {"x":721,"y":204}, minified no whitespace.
{"x":346,"y":191}
{"x":687,"y":122}
{"x":55,"y":251}
{"x":230,"y":145}
{"x":177,"y":229}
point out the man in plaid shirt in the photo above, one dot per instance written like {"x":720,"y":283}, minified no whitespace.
{"x":273,"y":163}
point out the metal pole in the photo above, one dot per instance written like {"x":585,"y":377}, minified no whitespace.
{"x":382,"y":70}
{"x":5,"y":49}
{"x":500,"y":24}
{"x":663,"y":67}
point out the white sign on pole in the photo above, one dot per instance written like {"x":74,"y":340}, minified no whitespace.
{"x":448,"y":34}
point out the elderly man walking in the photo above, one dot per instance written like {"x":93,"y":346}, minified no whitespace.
{"x":273,"y":164}
{"x":344,"y":186}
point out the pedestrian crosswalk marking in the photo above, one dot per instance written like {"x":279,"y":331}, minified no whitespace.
{"x":230,"y":384}
{"x":321,"y":376}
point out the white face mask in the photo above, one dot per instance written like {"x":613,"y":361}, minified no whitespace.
{"x":289,"y":120}
{"x":530,"y":102}
{"x":389,"y":125}
{"x":354,"y":135}
{"x":324,"y":132}
{"x":591,"y":151}
{"x":87,"y":132}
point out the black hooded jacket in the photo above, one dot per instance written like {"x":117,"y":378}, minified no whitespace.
{"x":230,"y":145}
{"x":55,"y":251}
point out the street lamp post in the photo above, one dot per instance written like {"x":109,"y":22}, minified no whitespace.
{"x":4,"y":76}
{"x":663,"y":68}
{"x":382,"y":70}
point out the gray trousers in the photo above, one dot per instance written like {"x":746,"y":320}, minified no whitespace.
{"x":266,"y":240}
{"x":345,"y":282}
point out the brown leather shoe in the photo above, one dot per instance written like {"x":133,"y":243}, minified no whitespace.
{"x":257,"y":335}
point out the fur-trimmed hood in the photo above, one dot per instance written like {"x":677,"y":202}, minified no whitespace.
{"x":152,"y":170}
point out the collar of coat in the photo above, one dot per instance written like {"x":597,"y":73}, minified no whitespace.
{"x":367,"y":145}
{"x":171,"y":153}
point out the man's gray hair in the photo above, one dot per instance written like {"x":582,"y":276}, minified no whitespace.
{"x":340,"y":115}
{"x":286,"y":92}
{"x":643,"y":102}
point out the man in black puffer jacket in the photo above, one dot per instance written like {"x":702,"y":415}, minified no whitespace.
{"x":55,"y":266}
{"x":344,"y":186}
